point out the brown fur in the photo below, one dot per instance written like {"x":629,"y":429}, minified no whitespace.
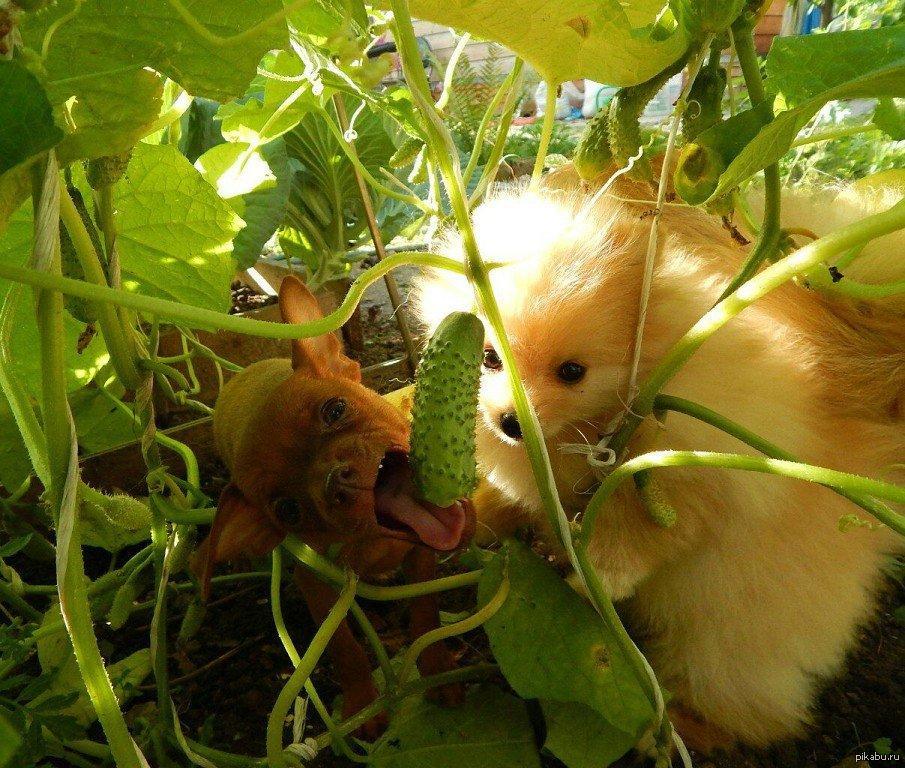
{"x":755,"y":594}
{"x":270,"y":432}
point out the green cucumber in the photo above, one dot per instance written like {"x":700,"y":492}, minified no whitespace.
{"x":624,"y":115}
{"x":593,"y":155}
{"x":444,"y":410}
{"x":705,"y":100}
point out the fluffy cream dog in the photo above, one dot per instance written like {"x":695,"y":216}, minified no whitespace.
{"x":755,"y":595}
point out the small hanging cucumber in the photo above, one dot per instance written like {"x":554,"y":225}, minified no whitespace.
{"x":445,"y":406}
{"x":624,"y":115}
{"x":705,"y":100}
{"x":80,"y":309}
{"x":697,"y":172}
{"x":706,"y":17}
{"x":593,"y":155}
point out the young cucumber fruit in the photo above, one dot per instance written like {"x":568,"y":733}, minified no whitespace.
{"x":592,"y":155}
{"x":442,"y":452}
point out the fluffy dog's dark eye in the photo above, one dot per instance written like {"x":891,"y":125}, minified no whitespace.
{"x":570,"y":371}
{"x":287,"y":510}
{"x":333,"y":410}
{"x":492,"y":359}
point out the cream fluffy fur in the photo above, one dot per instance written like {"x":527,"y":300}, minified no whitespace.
{"x":754,"y":595}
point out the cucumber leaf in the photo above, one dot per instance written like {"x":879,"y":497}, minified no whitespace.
{"x":27,"y":127}
{"x":175,"y":233}
{"x":115,"y":36}
{"x":55,"y":655}
{"x":551,"y":645}
{"x":25,"y":361}
{"x":15,"y":465}
{"x":491,"y":728}
{"x":604,"y":40}
{"x":256,"y":184}
{"x":889,"y":117}
{"x":803,"y":74}
{"x":580,"y":737}
{"x":800,"y":68}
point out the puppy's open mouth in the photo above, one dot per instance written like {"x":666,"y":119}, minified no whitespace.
{"x":399,"y":510}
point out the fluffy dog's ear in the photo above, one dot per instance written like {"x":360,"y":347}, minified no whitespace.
{"x":319,"y":355}
{"x":240,"y":529}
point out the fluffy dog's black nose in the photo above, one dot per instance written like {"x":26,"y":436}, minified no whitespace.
{"x":510,"y":426}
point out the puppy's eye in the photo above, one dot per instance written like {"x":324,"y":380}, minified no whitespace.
{"x":492,"y":360}
{"x":288,"y":510}
{"x":570,"y":372}
{"x":333,"y":410}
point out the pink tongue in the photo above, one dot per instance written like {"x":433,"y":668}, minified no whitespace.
{"x":438,"y":527}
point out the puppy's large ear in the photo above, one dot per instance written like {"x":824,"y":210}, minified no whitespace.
{"x":240,"y":529}
{"x":320,"y":354}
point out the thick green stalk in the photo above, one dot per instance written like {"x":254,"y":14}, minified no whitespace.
{"x":122,"y":350}
{"x":659,"y":459}
{"x":770,"y":278}
{"x":63,"y":475}
{"x":768,"y":236}
{"x":701,"y":413}
{"x":206,"y":319}
{"x":335,"y":575}
{"x":303,"y":672}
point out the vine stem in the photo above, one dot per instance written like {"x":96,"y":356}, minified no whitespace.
{"x":62,"y":490}
{"x":708,"y":416}
{"x":206,"y":319}
{"x":506,"y":89}
{"x":302,"y":672}
{"x":335,"y":575}
{"x":499,"y":144}
{"x":276,"y":607}
{"x":439,"y":634}
{"x":694,"y":66}
{"x":770,"y":278}
{"x":768,"y":237}
{"x":439,"y":142}
{"x":451,"y":71}
{"x":545,"y":133}
{"x":661,"y":459}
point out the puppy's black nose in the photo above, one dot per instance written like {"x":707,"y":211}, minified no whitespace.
{"x":510,"y":426}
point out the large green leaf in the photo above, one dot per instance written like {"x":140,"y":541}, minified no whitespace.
{"x":15,"y":465}
{"x":55,"y":655}
{"x":604,"y":40}
{"x":108,"y":115}
{"x":175,"y":232}
{"x":490,"y":729}
{"x":256,"y":184}
{"x":889,"y":117}
{"x":325,"y":202}
{"x":10,"y":738}
{"x":115,"y":36}
{"x":273,"y":105}
{"x":15,"y":248}
{"x":801,"y":68}
{"x":551,"y":645}
{"x":580,"y":737}
{"x":806,"y":73}
{"x":26,"y":118}
{"x":99,"y":424}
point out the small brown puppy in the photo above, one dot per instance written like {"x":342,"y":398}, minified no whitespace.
{"x":313,"y":452}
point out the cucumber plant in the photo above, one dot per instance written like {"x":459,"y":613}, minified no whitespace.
{"x":110,"y":224}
